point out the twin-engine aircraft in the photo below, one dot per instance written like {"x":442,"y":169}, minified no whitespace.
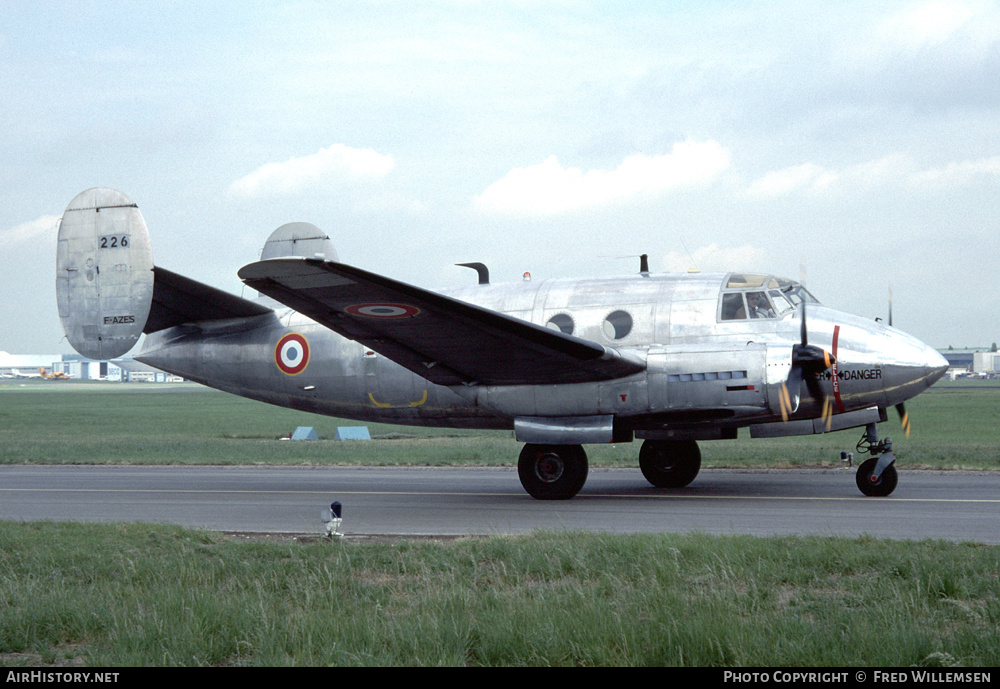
{"x":670,"y":359}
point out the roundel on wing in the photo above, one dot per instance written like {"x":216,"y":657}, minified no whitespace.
{"x":383,"y":310}
{"x":292,"y":354}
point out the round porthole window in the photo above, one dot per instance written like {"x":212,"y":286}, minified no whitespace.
{"x":562,"y":323}
{"x":617,"y":325}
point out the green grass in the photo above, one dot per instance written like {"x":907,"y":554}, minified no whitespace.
{"x":131,"y":594}
{"x":51,"y":422}
{"x":138,"y":594}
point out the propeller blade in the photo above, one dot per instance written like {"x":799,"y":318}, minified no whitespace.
{"x":890,"y":304}
{"x":904,"y":418}
{"x":805,"y":340}
{"x":789,"y":394}
{"x":808,"y":362}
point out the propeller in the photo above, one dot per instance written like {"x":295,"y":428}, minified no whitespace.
{"x":808,"y":361}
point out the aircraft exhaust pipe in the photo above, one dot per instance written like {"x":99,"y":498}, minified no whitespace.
{"x":104,"y":273}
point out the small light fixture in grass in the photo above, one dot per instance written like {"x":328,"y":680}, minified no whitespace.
{"x":331,"y":517}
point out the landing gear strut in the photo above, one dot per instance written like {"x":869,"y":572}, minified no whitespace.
{"x":876,"y":476}
{"x":552,"y":472}
{"x":669,"y":463}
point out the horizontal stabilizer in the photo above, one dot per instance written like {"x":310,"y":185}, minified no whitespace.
{"x":178,"y":300}
{"x":444,"y":340}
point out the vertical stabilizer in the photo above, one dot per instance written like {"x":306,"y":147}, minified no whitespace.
{"x":104,"y":273}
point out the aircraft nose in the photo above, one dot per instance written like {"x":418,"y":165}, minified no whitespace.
{"x":912,"y":367}
{"x":935,"y":364}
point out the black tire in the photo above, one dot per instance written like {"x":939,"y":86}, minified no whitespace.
{"x":670,"y":463}
{"x":552,"y":472}
{"x":879,"y":488}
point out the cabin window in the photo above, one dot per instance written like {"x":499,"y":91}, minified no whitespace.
{"x":561,"y":322}
{"x":617,"y":325}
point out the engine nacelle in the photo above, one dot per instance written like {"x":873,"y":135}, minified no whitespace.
{"x":104,"y":273}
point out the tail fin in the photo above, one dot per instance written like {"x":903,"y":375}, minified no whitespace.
{"x":104,"y":273}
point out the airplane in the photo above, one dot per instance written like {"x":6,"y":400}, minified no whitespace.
{"x":53,"y":375}
{"x":19,"y":374}
{"x":669,"y":359}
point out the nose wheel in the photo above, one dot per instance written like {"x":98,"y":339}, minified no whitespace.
{"x":876,"y":485}
{"x":877,"y":475}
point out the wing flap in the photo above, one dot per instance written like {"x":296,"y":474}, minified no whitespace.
{"x":445,"y":340}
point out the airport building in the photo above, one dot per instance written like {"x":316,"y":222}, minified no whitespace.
{"x":986,"y":362}
{"x":76,"y":367}
{"x":975,"y":363}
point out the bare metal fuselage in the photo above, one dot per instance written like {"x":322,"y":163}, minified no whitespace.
{"x":676,"y":330}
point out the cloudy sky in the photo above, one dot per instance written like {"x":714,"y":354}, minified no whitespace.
{"x":856,"y":142}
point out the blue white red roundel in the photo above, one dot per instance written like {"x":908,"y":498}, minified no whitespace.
{"x":383,"y":310}
{"x":292,"y":354}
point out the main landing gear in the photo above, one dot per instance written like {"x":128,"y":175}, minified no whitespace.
{"x":669,"y":463}
{"x":552,"y":472}
{"x":558,"y":472}
{"x":876,"y":476}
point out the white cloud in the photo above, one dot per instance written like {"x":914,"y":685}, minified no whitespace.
{"x":930,"y":23}
{"x":714,"y":258}
{"x":33,"y":229}
{"x":951,"y":34}
{"x":337,"y":163}
{"x":958,"y":173}
{"x":548,"y":188}
{"x":807,"y":176}
{"x":891,"y":170}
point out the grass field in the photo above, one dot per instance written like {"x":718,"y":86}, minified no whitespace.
{"x":144,"y":594}
{"x":955,"y":426}
{"x":121,"y":595}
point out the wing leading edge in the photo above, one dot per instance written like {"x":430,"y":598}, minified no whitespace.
{"x":447,"y":341}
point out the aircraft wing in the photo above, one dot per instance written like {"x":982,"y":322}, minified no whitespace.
{"x":444,"y":340}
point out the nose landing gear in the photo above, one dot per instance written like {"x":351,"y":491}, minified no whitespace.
{"x":876,"y":476}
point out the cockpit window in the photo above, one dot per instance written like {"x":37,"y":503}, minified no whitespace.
{"x":739,"y":306}
{"x":747,"y":296}
{"x":758,"y":306}
{"x":733,"y":307}
{"x":794,"y":291}
{"x":781,"y":303}
{"x":743,"y":280}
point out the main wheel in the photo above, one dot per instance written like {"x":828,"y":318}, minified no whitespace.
{"x":670,"y":463}
{"x":552,"y":472}
{"x":876,"y":487}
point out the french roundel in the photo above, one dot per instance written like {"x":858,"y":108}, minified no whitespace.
{"x":292,"y":354}
{"x":383,"y":310}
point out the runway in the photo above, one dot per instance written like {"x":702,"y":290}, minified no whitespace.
{"x":949,"y":505}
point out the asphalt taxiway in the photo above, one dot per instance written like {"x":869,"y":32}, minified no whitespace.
{"x":949,"y":505}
